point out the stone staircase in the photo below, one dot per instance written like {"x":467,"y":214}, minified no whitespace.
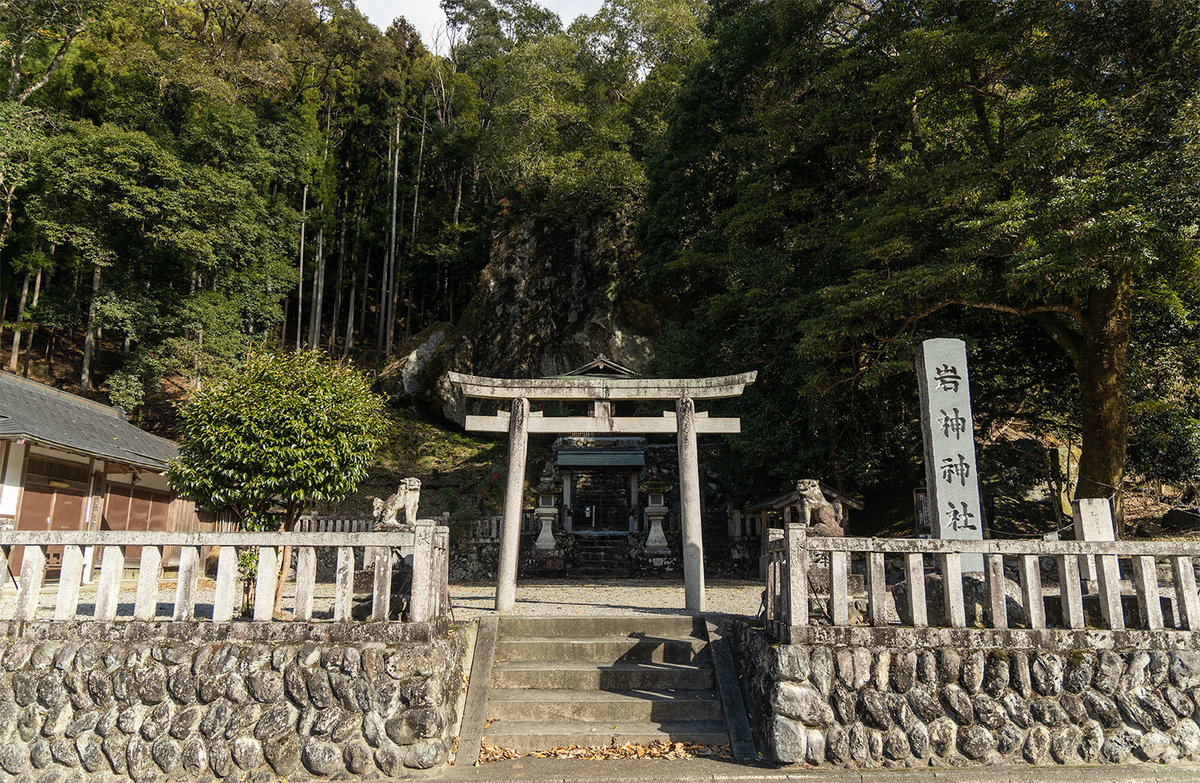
{"x":559,"y":681}
{"x":601,"y":555}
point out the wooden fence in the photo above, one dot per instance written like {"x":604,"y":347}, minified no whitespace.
{"x":790,"y":593}
{"x":428,"y":545}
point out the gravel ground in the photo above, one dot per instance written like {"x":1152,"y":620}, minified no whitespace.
{"x":610,"y":597}
{"x":547,"y":598}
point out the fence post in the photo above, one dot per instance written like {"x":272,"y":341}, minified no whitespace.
{"x":112,"y":566}
{"x":33,"y":570}
{"x":797,"y":572}
{"x":420,"y":603}
{"x":145,"y":606}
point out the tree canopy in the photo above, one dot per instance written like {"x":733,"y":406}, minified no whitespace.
{"x":842,"y":180}
{"x":286,"y":431}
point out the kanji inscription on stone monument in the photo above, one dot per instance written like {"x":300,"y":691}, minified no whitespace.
{"x":949,"y":433}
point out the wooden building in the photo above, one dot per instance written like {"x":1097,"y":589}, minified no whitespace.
{"x":68,"y":463}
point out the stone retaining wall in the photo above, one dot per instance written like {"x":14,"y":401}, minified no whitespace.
{"x":873,"y":706}
{"x":158,"y":707}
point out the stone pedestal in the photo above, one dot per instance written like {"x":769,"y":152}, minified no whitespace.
{"x":545,"y":540}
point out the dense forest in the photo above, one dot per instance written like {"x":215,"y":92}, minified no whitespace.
{"x":816,"y":187}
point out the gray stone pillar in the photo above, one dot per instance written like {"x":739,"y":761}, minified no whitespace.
{"x":514,"y":490}
{"x":689,"y":506}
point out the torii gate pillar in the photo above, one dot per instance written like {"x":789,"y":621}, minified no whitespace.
{"x":514,"y":488}
{"x":689,"y":506}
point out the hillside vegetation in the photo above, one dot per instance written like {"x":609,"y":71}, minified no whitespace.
{"x":805,"y":188}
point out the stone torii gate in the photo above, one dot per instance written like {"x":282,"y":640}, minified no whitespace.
{"x":685,"y":422}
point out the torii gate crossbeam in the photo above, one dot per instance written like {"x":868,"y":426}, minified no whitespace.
{"x":684,"y":421}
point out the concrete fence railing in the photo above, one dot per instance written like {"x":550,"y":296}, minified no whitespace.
{"x":791,"y":592}
{"x":427,"y":543}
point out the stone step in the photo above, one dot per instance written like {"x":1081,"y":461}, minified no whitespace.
{"x":591,"y":627}
{"x":619,"y":675}
{"x":523,"y":704}
{"x":657,"y":649}
{"x":527,"y":736}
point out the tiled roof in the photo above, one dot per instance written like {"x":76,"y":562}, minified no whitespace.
{"x":32,"y":410}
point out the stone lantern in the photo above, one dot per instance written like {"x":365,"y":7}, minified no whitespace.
{"x":656,"y":509}
{"x":546,"y":513}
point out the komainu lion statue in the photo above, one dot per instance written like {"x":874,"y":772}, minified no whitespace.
{"x":406,"y":498}
{"x":825,"y":518}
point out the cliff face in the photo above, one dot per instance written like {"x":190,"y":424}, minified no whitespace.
{"x":548,"y":301}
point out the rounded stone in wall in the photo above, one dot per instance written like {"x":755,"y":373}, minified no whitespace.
{"x":820,"y":660}
{"x":976,"y":742}
{"x":837,"y":745}
{"x":247,"y":753}
{"x":213,"y":724}
{"x":845,"y":704}
{"x":320,"y":757}
{"x":958,"y":705}
{"x":904,"y":671}
{"x":918,"y":740}
{"x":1156,"y":707}
{"x":943,"y":735}
{"x":194,"y":758}
{"x":115,"y":749}
{"x":925,"y":705}
{"x":949,"y":665}
{"x":220,"y":759}
{"x":66,"y":656}
{"x":1064,"y":744}
{"x":1103,"y":709}
{"x":235,"y":688}
{"x":62,"y":750}
{"x":91,"y":754}
{"x":789,"y":740}
{"x":13,"y":757}
{"x":39,"y":754}
{"x":1048,"y":712}
{"x":389,"y":760}
{"x":814,"y":753}
{"x":974,"y":666}
{"x":1081,"y":668}
{"x":138,"y":759}
{"x":874,"y":709}
{"x":895,"y":745}
{"x":167,"y":754}
{"x":43,"y":654}
{"x":1072,"y":705}
{"x":1179,"y":701}
{"x":346,"y":728}
{"x":1187,"y":738}
{"x":1118,"y":747}
{"x":357,"y":757}
{"x":425,"y":754}
{"x":1109,"y":668}
{"x":859,"y":748}
{"x":283,"y":754}
{"x":1153,"y":746}
{"x":1092,"y":742}
{"x":1017,"y":709}
{"x":1008,"y":739}
{"x":988,"y":711}
{"x":182,"y":685}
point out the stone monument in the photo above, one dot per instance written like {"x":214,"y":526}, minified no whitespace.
{"x":406,"y":498}
{"x":951,"y":474}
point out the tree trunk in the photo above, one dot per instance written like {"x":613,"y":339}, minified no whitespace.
{"x":89,"y":342}
{"x":300,"y":290}
{"x":37,"y":293}
{"x":1102,"y":366}
{"x":318,"y":300}
{"x":14,"y":356}
{"x":390,"y":307}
